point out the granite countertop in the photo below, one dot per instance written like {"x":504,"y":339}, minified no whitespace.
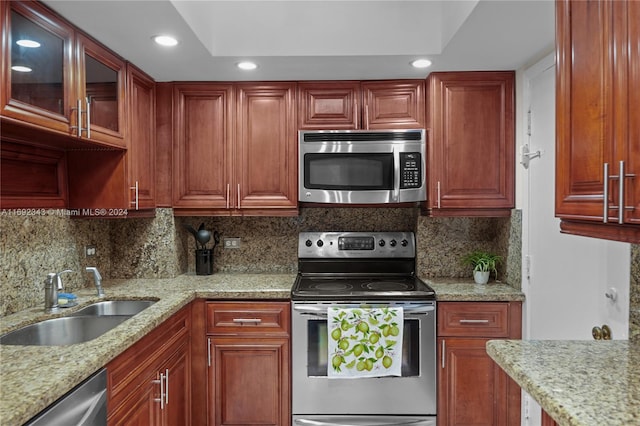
{"x":32,"y":377}
{"x":578,"y":383}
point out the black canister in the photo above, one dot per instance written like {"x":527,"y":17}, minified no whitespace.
{"x":204,"y":262}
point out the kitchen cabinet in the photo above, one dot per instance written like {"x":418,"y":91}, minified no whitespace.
{"x":248,"y":363}
{"x":150,"y":383}
{"x":472,"y":389}
{"x":235,"y":149}
{"x":471,"y":143}
{"x":597,"y":116}
{"x":141,"y":152}
{"x":547,"y":420}
{"x":75,"y":87}
{"x":339,"y":105}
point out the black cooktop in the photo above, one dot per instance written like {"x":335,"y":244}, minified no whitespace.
{"x":360,"y":288}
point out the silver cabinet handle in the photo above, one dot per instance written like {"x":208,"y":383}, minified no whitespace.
{"x":621,"y":193}
{"x":135,"y":190}
{"x":247,"y":320}
{"x":442,"y":357}
{"x":228,"y":192}
{"x":605,"y":194}
{"x":78,"y":119}
{"x":209,"y":352}
{"x":161,"y":381}
{"x":166,"y":387}
{"x":474,"y":321}
{"x":238,"y":196}
{"x":438,"y":194}
{"x":88,"y":100}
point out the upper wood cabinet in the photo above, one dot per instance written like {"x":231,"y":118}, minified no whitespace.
{"x":69,"y":84}
{"x":235,"y":149}
{"x":598,"y":118}
{"x":339,"y":105}
{"x":141,"y":153}
{"x":471,"y":143}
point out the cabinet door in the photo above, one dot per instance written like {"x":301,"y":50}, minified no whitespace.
{"x":203,"y":135}
{"x":472,"y":388}
{"x":249,"y":381}
{"x":177,"y":408}
{"x":101,"y":80}
{"x":141,"y":409}
{"x":632,"y":153}
{"x":329,"y":105}
{"x":37,"y":80}
{"x":584,"y":107}
{"x":141,"y":153}
{"x":393,"y":105}
{"x":266,"y":148}
{"x":471,"y":149}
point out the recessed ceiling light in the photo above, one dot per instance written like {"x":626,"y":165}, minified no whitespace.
{"x":21,"y":68}
{"x":421,"y":63}
{"x":247,"y":65}
{"x":28,"y":43}
{"x":165,"y":40}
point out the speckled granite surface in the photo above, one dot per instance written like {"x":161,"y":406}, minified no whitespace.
{"x":31,"y":378}
{"x":578,"y":383}
{"x":634,"y":290}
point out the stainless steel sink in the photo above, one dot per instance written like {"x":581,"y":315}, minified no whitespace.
{"x":115,"y":307}
{"x":63,"y":331}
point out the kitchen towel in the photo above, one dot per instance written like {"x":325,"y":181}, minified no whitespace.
{"x":364,"y":342}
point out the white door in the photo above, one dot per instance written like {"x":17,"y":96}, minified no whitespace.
{"x":565,"y":277}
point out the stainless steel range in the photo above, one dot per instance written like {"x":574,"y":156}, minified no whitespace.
{"x":372,"y":272}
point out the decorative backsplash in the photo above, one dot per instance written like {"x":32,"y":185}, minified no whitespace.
{"x":160,"y":247}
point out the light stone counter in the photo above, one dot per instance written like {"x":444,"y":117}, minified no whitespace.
{"x":32,"y":377}
{"x":578,"y":383}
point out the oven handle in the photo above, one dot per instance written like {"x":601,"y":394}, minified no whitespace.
{"x":321,"y":310}
{"x":305,"y":422}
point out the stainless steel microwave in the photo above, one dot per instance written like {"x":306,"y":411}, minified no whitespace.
{"x":362,"y":166}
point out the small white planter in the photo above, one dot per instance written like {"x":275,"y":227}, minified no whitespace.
{"x":481,"y":277}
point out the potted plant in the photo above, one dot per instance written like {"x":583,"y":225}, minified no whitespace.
{"x":483,"y":264}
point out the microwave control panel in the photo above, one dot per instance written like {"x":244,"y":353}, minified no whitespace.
{"x":410,"y":170}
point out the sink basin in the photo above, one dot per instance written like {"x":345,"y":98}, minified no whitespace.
{"x":115,"y":307}
{"x":63,"y":331}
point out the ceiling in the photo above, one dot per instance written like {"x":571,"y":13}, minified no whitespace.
{"x":323,"y":40}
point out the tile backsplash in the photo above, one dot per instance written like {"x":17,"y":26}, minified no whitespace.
{"x":160,"y":247}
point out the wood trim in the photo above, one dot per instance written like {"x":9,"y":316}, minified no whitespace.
{"x":164,"y":143}
{"x":607,"y":231}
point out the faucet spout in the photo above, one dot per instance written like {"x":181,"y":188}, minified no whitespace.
{"x":53,"y":285}
{"x":97,"y":279}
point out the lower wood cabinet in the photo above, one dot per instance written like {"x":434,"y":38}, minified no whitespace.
{"x":472,"y":389}
{"x":547,"y":420}
{"x":150,"y":383}
{"x":248,"y":378}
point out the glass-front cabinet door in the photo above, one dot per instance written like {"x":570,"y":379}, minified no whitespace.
{"x":37,"y":61}
{"x":102,"y":92}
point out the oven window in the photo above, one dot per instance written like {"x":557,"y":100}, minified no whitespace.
{"x":348,"y":171}
{"x":318,"y":350}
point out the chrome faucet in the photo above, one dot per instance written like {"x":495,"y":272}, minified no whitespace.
{"x":52,"y":285}
{"x":97,"y":279}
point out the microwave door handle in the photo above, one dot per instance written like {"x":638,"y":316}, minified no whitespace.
{"x":397,"y":177}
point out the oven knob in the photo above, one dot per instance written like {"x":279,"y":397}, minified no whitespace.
{"x":319,"y":243}
{"x":404,"y":243}
{"x":308,"y":243}
{"x":381,"y":243}
{"x":392,"y":243}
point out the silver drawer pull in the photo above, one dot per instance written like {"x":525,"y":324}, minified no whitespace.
{"x":474,"y":321}
{"x":247,"y":320}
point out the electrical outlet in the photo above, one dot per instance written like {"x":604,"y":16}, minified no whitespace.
{"x":90,"y":251}
{"x":231,"y":242}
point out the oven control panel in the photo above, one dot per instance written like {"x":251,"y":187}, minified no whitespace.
{"x":356,"y":245}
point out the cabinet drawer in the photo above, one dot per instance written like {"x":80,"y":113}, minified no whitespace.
{"x":482,"y":319}
{"x":233,"y":318}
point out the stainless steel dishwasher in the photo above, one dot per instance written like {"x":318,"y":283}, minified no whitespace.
{"x":84,"y":405}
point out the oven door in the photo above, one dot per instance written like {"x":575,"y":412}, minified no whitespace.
{"x":413,"y":393}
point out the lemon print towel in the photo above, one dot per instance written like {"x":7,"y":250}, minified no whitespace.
{"x":364,"y":342}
